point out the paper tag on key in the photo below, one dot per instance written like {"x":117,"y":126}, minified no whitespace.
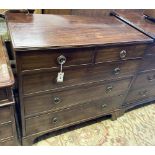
{"x":60,"y":77}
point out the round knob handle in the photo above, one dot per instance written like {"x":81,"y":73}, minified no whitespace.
{"x":123,"y":54}
{"x":61,"y":59}
{"x":104,"y":105}
{"x":55,"y":120}
{"x":117,"y":70}
{"x":143,"y":93}
{"x":109,"y":89}
{"x":57,"y":100}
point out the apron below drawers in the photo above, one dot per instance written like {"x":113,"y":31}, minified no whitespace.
{"x":72,"y":115}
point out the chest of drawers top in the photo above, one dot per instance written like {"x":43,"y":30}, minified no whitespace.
{"x":138,"y":19}
{"x":6,"y":75}
{"x":54,"y":31}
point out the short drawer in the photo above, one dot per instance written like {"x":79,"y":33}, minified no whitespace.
{"x":146,"y":79}
{"x":5,"y":114}
{"x":6,"y":130}
{"x":47,"y":59}
{"x":140,"y":94}
{"x":72,"y":115}
{"x":62,"y":99}
{"x":106,"y":54}
{"x":42,"y":81}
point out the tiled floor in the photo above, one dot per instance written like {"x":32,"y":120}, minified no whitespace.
{"x":136,"y":127}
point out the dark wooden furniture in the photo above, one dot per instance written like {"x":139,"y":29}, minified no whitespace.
{"x":8,"y":134}
{"x":101,"y":59}
{"x":143,"y":88}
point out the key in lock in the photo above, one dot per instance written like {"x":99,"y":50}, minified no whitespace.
{"x":61,"y":60}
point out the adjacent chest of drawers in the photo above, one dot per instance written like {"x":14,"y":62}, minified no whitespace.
{"x":101,"y":58}
{"x":143,"y":87}
{"x":8,"y":134}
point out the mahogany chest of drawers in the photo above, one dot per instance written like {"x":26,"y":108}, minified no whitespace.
{"x":8,"y":134}
{"x":100,"y":59}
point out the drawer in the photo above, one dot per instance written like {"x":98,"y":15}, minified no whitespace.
{"x":5,"y":114}
{"x":72,"y":115}
{"x":63,"y":99}
{"x":140,"y":94}
{"x":6,"y":131}
{"x":46,"y":59}
{"x":151,"y":50}
{"x":42,"y":81}
{"x":146,"y":79}
{"x":106,"y":54}
{"x":148,"y":63}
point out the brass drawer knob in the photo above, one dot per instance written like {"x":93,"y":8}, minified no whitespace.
{"x":151,"y":78}
{"x":55,"y":120}
{"x":57,"y":100}
{"x":104,"y":105}
{"x":117,"y":71}
{"x":61,"y":59}
{"x":123,"y":54}
{"x":109,"y":89}
{"x":143,"y":93}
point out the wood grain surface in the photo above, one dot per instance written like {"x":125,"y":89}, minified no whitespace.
{"x":6,"y":75}
{"x":53,"y":31}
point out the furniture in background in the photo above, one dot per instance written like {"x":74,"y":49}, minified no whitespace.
{"x":71,"y":69}
{"x":143,"y":88}
{"x":8,"y":130}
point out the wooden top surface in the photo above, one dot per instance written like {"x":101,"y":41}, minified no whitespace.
{"x":139,"y":20}
{"x":6,"y":75}
{"x":55,"y":31}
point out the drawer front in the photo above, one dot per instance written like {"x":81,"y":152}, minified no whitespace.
{"x":143,"y":80}
{"x":140,"y":94}
{"x":151,"y":50}
{"x":6,"y":131}
{"x":148,"y":63}
{"x":47,"y":59}
{"x":72,"y":115}
{"x":84,"y":94}
{"x":79,"y":75}
{"x":5,"y":114}
{"x":107,"y":54}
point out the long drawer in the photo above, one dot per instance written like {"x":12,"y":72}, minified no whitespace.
{"x":140,"y":94}
{"x":108,"y":54}
{"x":74,"y":114}
{"x":146,"y":79}
{"x":48,"y":59}
{"x":46,"y":80}
{"x":65,"y":98}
